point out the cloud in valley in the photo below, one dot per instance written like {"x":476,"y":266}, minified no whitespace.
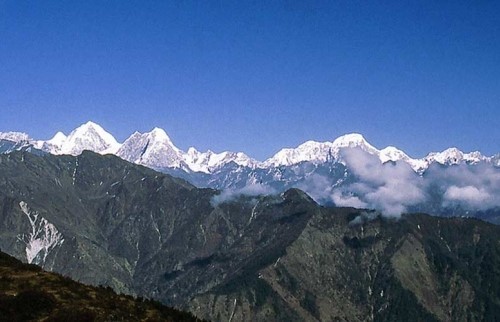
{"x":389,"y":187}
{"x":472,"y":187}
{"x":317,"y":186}
{"x":393,"y":187}
{"x":232,"y":194}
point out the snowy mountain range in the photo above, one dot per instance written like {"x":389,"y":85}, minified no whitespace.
{"x":347,"y":171}
{"x":156,"y":150}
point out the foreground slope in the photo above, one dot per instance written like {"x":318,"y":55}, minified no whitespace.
{"x":29,"y":293}
{"x":224,"y":257}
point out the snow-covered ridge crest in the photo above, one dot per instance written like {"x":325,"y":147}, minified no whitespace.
{"x":209,"y":161}
{"x":320,"y":152}
{"x":42,"y":238}
{"x":455,"y":156}
{"x":156,"y":150}
{"x":14,"y":136}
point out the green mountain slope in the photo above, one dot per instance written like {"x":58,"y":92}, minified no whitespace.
{"x":103,"y":221}
{"x":29,"y":293}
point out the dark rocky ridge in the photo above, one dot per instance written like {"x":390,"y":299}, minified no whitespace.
{"x":263,"y":258}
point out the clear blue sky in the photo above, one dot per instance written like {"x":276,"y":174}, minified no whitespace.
{"x":256,"y":76}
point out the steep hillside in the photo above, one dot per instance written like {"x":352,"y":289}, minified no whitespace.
{"x":29,"y":293}
{"x":344,"y":268}
{"x":227,"y":256}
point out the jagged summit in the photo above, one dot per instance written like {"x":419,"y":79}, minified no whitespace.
{"x":152,"y":149}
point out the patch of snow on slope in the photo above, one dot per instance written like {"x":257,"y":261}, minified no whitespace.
{"x":42,"y":238}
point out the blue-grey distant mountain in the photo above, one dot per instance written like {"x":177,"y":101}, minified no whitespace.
{"x":348,"y":171}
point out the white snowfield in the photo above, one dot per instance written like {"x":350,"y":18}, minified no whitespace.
{"x":42,"y":238}
{"x":156,"y":150}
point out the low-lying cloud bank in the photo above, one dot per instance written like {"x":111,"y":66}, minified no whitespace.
{"x":394,"y":187}
{"x":472,"y":187}
{"x":232,"y":194}
{"x":390,"y":187}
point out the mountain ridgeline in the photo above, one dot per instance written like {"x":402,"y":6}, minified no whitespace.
{"x":348,"y":171}
{"x":230,"y":257}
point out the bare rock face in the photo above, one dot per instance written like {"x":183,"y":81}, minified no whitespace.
{"x":104,"y":221}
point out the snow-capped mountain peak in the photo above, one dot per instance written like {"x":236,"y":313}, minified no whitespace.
{"x":160,"y":135}
{"x":391,"y":153}
{"x":152,"y":149}
{"x":455,"y":156}
{"x":350,"y":140}
{"x":58,"y":139}
{"x":448,"y":156}
{"x":354,"y":140}
{"x":88,"y":136}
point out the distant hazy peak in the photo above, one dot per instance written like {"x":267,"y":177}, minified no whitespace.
{"x":455,"y":156}
{"x":209,"y":160}
{"x":14,"y":136}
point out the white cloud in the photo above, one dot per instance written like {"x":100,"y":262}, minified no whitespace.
{"x":232,"y":194}
{"x":389,"y":187}
{"x":473,"y":187}
{"x":347,"y":200}
{"x":468,"y":195}
{"x":317,"y":186}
